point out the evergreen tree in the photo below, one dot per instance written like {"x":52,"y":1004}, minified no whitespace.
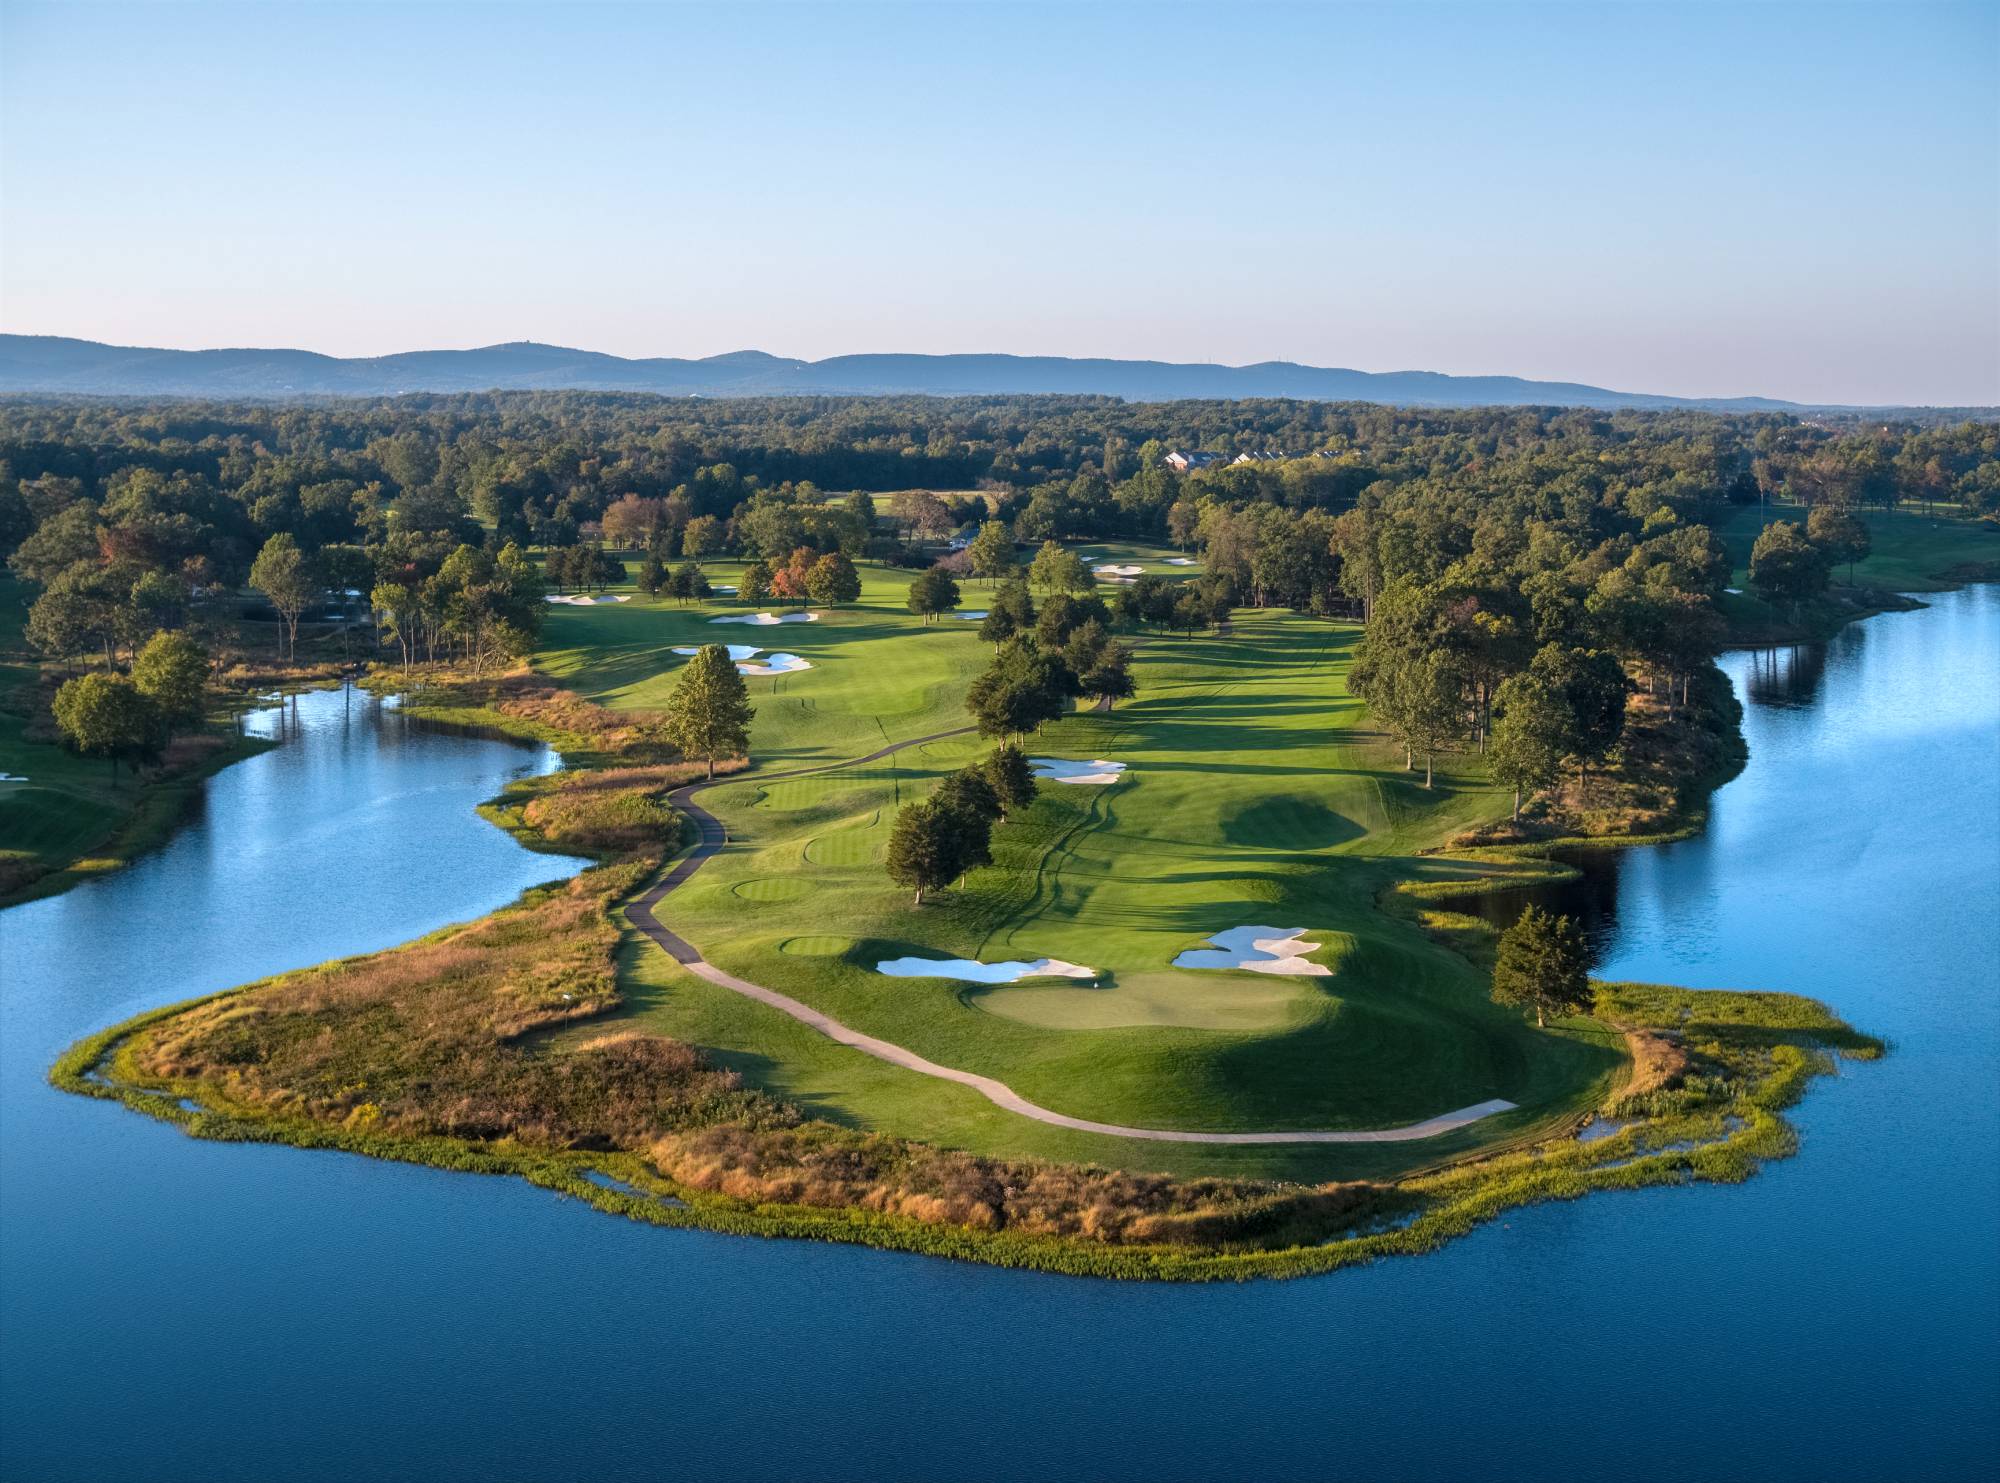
{"x":652,"y":574}
{"x":932,"y":593}
{"x":1541,"y":962}
{"x":927,"y":846}
{"x":970,"y":791}
{"x":1011,"y":777}
{"x":1109,"y":678}
{"x":1023,"y":688}
{"x":710,"y":712}
{"x":1013,"y":612}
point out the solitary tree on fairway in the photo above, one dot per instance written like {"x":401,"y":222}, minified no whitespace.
{"x":104,"y":715}
{"x":1011,"y":777}
{"x":932,"y":593}
{"x":709,"y":714}
{"x":833,"y":580}
{"x":1541,"y":962}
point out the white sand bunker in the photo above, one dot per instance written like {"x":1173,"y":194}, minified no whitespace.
{"x":1180,"y":561}
{"x":738,"y":652}
{"x":972,"y":617}
{"x":1056,"y":770}
{"x":970,"y":972}
{"x":11,"y":777}
{"x":728,"y":588}
{"x":777,"y":664}
{"x":1258,"y":949}
{"x":768,"y":620}
{"x":1118,"y":571}
{"x":578,"y":600}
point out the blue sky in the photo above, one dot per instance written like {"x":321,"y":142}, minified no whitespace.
{"x":1701,"y":199}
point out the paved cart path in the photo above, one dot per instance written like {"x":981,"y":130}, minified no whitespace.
{"x":713,"y":838}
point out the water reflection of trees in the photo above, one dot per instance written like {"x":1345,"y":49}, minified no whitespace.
{"x":1788,"y":677}
{"x":1591,"y":900}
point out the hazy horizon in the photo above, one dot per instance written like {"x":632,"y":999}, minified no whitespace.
{"x":1701,"y":201}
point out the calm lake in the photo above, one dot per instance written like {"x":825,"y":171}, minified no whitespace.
{"x":178,"y":1309}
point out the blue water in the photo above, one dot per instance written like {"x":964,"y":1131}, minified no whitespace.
{"x":177,"y":1309}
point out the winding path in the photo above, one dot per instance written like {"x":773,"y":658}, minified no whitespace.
{"x":713,"y":837}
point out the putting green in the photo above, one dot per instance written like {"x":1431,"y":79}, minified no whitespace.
{"x":1170,"y":998}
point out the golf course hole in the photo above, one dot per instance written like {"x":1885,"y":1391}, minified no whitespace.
{"x":772,"y":888}
{"x":819,"y":945}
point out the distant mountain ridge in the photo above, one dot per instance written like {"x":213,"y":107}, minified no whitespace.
{"x":54,"y":364}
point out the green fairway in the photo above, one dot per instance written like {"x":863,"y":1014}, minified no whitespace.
{"x":1256,"y":794}
{"x":1913,"y":551}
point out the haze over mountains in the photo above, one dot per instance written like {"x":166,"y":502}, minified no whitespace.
{"x":54,"y":364}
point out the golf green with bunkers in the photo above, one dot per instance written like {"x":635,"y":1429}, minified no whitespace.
{"x":1255,"y":792}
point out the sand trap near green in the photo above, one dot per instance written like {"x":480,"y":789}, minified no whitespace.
{"x":742,"y":654}
{"x":766,"y":620}
{"x":777,"y":664}
{"x":965,"y":970}
{"x":1057,"y":770}
{"x":1258,"y":950}
{"x":578,"y":600}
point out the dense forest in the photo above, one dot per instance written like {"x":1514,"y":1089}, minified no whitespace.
{"x":1489,"y":548}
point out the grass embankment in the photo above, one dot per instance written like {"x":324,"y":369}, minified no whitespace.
{"x":73,"y":818}
{"x":1913,"y":552}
